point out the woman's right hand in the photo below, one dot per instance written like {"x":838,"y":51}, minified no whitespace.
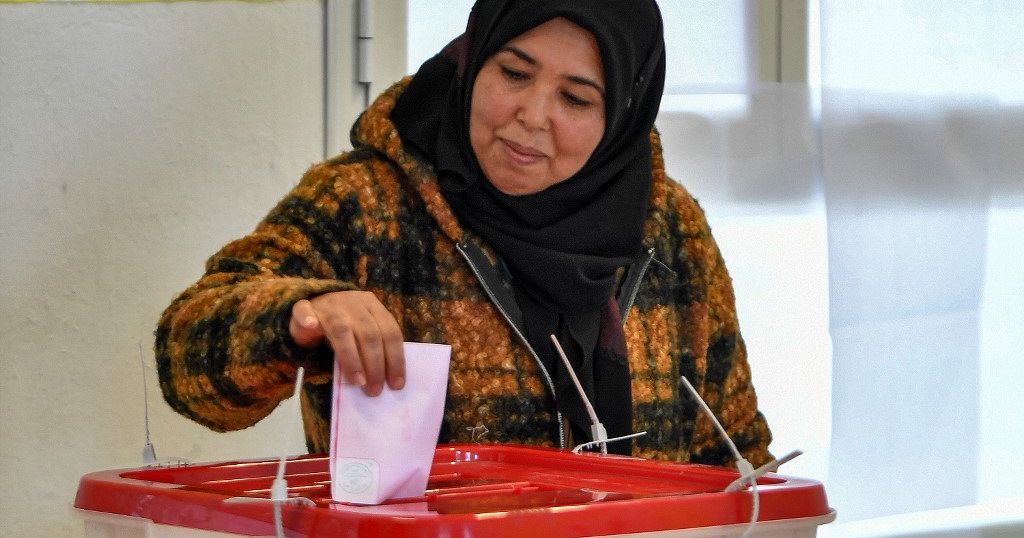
{"x":365,"y":337}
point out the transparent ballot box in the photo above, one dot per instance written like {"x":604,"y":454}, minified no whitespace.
{"x":473,"y":491}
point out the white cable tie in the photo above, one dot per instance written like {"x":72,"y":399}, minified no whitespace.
{"x":745,"y":467}
{"x":279,"y":490}
{"x":714,"y":419}
{"x":279,"y":487}
{"x":742,"y":464}
{"x":149,"y":455}
{"x":575,"y":380}
{"x":600,"y":434}
{"x":298,"y":386}
{"x":580,"y":447}
{"x":769,"y":467}
{"x":597,"y":431}
{"x":148,"y":450}
{"x":293,"y":501}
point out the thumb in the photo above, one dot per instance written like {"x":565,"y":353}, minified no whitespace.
{"x":304,"y":327}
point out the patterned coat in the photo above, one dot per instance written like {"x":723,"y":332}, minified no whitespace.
{"x":373,"y":219}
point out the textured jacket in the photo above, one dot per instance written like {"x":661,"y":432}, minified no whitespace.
{"x":373,"y":219}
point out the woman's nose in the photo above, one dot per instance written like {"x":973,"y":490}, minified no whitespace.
{"x":534,"y":111}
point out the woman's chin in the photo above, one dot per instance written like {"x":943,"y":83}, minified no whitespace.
{"x":517,"y":184}
{"x":518,"y":187}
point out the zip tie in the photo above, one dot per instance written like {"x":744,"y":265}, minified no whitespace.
{"x":279,"y":487}
{"x":612,"y":440}
{"x":742,"y":464}
{"x":597,"y":431}
{"x":148,"y":451}
{"x":769,"y":467}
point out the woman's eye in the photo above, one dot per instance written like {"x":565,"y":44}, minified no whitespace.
{"x":575,"y":100}
{"x":512,"y":74}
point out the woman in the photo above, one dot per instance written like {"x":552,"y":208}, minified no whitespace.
{"x":510,"y":190}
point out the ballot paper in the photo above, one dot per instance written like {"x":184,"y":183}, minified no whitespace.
{"x":382,"y":447}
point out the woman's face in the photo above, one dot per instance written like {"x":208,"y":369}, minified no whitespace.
{"x":537,"y":109}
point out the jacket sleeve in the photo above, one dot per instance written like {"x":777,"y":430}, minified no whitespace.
{"x":223,"y":350}
{"x":727,"y":386}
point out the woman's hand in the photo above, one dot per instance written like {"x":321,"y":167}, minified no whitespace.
{"x":365,"y":337}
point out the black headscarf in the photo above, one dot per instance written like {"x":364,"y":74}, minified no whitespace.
{"x":563,"y":245}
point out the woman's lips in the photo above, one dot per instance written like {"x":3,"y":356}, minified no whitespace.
{"x":522,"y":155}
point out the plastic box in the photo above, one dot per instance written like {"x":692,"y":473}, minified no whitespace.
{"x":474,"y":491}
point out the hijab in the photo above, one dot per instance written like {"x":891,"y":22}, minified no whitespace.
{"x":564,"y":245}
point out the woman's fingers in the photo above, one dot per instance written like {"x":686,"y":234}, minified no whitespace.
{"x":371,"y":348}
{"x":392,"y":344}
{"x":365,"y":338}
{"x":340,"y":334}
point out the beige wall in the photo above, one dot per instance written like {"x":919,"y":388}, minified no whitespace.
{"x":135,"y":139}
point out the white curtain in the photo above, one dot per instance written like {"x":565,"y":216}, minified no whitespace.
{"x":873,"y":223}
{"x":921,"y":141}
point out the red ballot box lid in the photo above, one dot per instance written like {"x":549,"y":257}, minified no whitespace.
{"x":474,"y":490}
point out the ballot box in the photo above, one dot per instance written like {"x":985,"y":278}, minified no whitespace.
{"x":473,"y":491}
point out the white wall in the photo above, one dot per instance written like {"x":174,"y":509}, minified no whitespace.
{"x":135,"y":140}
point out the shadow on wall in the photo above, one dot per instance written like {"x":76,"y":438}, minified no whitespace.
{"x":756,"y":149}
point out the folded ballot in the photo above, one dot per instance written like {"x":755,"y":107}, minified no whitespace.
{"x":382,"y":447}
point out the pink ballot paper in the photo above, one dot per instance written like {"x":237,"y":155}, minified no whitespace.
{"x":382,"y":447}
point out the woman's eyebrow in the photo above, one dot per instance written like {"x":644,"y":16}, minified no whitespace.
{"x":522,"y":55}
{"x":586,"y":82}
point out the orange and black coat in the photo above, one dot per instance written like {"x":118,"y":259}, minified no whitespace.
{"x":373,"y":219}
